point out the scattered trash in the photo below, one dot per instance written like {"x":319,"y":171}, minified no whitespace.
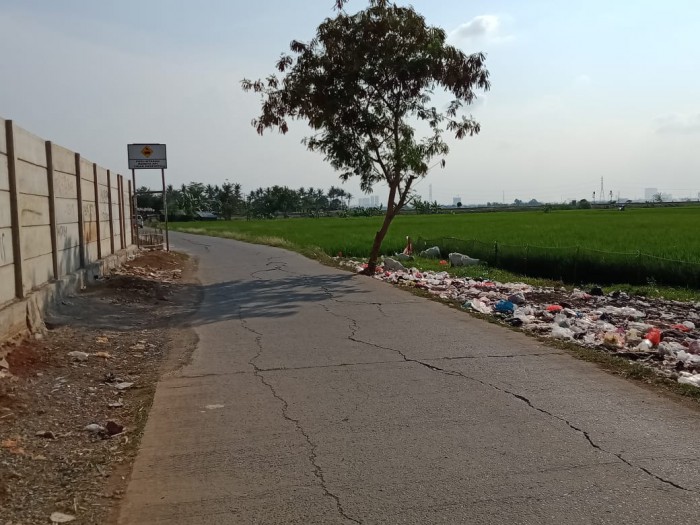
{"x":457,"y":259}
{"x":124,"y":385}
{"x":78,"y":356}
{"x":504,"y":307}
{"x":559,"y":332}
{"x":45,"y":434}
{"x":94,"y":428}
{"x":654,"y":336}
{"x":102,"y":340}
{"x":431,"y":253}
{"x":117,"y":404}
{"x":689,"y":379}
{"x":60,"y":517}
{"x":657,"y":333}
{"x":4,"y":364}
{"x":214,"y":407}
{"x":443,"y":262}
{"x":103,"y":355}
{"x":393,"y":265}
{"x":517,"y":299}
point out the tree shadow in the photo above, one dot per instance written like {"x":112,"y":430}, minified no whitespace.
{"x":274,"y":298}
{"x":141,"y":304}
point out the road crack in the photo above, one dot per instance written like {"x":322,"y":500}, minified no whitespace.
{"x":313,"y":456}
{"x":584,"y":433}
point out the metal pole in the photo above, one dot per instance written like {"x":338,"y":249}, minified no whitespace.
{"x":134,"y":221}
{"x":165,"y":210}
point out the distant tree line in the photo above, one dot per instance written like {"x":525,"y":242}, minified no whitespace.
{"x":228,"y":201}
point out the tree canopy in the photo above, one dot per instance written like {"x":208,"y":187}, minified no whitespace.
{"x":363,"y":84}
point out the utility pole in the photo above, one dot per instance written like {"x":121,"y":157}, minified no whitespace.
{"x":602,"y":192}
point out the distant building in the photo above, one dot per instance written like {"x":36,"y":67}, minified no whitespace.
{"x":368,"y":202}
{"x":649,"y":193}
{"x":456,"y":201}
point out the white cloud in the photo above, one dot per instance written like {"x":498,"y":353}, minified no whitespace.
{"x":678,"y":124}
{"x":483,"y":28}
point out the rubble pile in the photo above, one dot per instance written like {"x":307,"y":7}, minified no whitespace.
{"x":661,"y":334}
{"x":147,"y":272}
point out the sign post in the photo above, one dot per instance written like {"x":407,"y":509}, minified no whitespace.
{"x":149,"y":157}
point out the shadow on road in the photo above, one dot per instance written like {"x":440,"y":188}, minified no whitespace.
{"x":281,"y":297}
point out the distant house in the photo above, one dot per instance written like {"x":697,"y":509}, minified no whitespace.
{"x":205,"y":216}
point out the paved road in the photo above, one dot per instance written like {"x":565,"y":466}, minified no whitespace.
{"x":317,"y":396}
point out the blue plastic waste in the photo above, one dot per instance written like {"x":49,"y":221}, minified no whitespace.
{"x":504,"y":307}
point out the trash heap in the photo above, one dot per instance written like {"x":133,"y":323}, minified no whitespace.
{"x":660,"y":334}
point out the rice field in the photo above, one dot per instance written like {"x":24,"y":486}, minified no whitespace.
{"x":661,"y":232}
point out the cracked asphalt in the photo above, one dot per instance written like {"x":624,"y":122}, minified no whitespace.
{"x":318,"y":396}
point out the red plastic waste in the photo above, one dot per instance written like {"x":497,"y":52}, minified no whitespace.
{"x":654,"y":336}
{"x":681,"y":328}
{"x":443,"y":263}
{"x":554,"y":308}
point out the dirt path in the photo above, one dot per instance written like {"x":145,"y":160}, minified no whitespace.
{"x":95,"y":367}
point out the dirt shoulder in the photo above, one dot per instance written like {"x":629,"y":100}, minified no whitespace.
{"x":77,"y":396}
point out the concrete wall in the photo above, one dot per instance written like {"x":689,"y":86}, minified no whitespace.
{"x":59,"y":213}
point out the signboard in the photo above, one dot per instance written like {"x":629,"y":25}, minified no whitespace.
{"x":147,"y":157}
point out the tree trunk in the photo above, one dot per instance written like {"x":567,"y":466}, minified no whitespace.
{"x":377,"y":245}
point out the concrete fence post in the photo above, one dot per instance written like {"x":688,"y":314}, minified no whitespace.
{"x":52,"y":207}
{"x":97,"y":210}
{"x":14,"y":208}
{"x":132,"y":214}
{"x":81,"y":219}
{"x":120,"y":199}
{"x":111,"y":219}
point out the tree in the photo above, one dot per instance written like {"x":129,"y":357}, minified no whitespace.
{"x":362,"y":84}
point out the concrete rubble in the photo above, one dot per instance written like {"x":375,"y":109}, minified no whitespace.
{"x":661,"y":334}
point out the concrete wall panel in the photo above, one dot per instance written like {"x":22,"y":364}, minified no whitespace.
{"x":4,"y":175}
{"x":105,"y":245}
{"x":34,"y":210}
{"x":63,"y":159}
{"x":32,"y":179}
{"x":37,"y":271}
{"x":66,"y":211}
{"x":36,"y":241}
{"x":29,"y":147}
{"x":86,"y":170}
{"x":3,"y":138}
{"x":64,"y":186}
{"x":68,"y":260}
{"x":5,"y":215}
{"x":91,"y":252}
{"x":7,"y":283}
{"x":104,"y":209}
{"x":6,"y":250}
{"x":67,"y":235}
{"x":101,"y":176}
{"x":89,"y":222}
{"x":88,"y":193}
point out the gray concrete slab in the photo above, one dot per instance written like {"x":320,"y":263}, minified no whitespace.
{"x":317,"y":396}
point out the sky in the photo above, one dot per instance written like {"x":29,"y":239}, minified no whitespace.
{"x":581,"y":90}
